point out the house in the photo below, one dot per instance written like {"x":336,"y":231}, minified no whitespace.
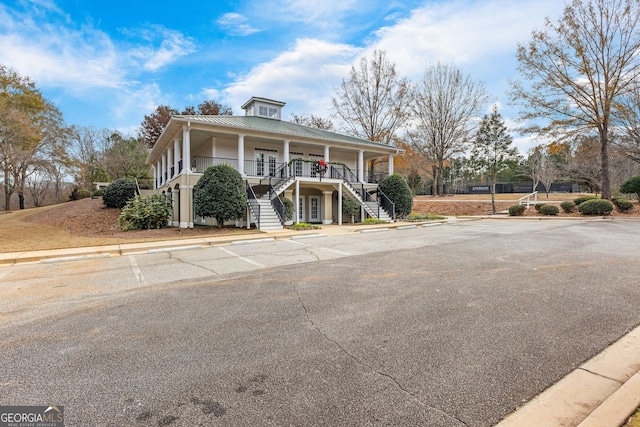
{"x":313,"y":168}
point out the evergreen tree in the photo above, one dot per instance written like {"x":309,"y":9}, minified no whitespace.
{"x":220,"y":193}
{"x":492,"y":151}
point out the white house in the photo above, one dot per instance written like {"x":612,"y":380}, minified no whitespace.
{"x":313,"y":168}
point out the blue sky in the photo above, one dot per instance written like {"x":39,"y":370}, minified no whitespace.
{"x":107,"y":64}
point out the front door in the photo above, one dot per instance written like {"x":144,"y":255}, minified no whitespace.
{"x":301,"y":210}
{"x":314,"y":209}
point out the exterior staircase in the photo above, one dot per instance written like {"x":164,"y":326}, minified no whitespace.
{"x":269,"y":219}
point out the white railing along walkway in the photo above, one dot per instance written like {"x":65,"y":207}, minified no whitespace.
{"x":528,"y":198}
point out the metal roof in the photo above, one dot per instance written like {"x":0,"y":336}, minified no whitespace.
{"x":272,"y":128}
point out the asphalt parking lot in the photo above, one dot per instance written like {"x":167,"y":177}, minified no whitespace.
{"x":451,"y":325}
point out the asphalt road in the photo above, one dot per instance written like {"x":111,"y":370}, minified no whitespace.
{"x":455,"y":325}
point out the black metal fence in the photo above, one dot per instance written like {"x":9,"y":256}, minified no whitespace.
{"x":505,"y":188}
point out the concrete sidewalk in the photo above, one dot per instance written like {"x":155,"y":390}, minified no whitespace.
{"x":604,"y":391}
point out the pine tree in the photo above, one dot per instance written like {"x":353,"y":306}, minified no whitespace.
{"x":492,"y":151}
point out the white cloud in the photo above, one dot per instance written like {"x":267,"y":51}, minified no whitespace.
{"x":462,"y":32}
{"x":173,"y":45}
{"x":236,"y":24}
{"x":303,"y":77}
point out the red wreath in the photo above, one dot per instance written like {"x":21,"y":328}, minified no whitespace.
{"x":321,"y":167}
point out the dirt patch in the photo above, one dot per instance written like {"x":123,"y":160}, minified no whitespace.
{"x":452,"y":205}
{"x":84,"y":222}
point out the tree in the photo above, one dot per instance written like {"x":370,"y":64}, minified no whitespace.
{"x":312,"y":121}
{"x":444,"y":106}
{"x":631,"y":186}
{"x":583,"y":166}
{"x":220,"y":194}
{"x":397,"y":190}
{"x":373,"y":102}
{"x":542,"y":166}
{"x":31,"y":128}
{"x":492,"y":151}
{"x":153,"y":124}
{"x":577,"y":69}
{"x":125,"y":157}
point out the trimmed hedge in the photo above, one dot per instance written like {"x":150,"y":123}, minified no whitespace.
{"x":596,"y":207}
{"x":568,"y":207}
{"x":118,"y":193}
{"x":549,"y":210}
{"x":516,"y":210}
{"x":622,"y":204}
{"x":580,"y":200}
{"x":538,"y":206}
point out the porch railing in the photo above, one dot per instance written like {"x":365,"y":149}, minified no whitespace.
{"x":199,"y":164}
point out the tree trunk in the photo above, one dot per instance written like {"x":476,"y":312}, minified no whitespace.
{"x":21,"y":200}
{"x":604,"y":156}
{"x":493,"y":197}
{"x":434,"y":185}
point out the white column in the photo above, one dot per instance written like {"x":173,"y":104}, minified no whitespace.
{"x":241,"y":155}
{"x":361,"y":165}
{"x":340,"y":204}
{"x":286,"y":151}
{"x":159,"y":169}
{"x":390,"y":164}
{"x":186,"y":149}
{"x":155,"y":177}
{"x":164,"y":168}
{"x":297,"y":202}
{"x":213,"y":146}
{"x":326,"y":153}
{"x":170,"y":161}
{"x":176,"y":157}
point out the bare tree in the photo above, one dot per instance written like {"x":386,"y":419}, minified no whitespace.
{"x":445,"y":104}
{"x":372,"y":102}
{"x":38,"y":184}
{"x":543,"y":166}
{"x":577,"y":68}
{"x":312,"y":121}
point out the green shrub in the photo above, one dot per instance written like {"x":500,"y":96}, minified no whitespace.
{"x":396,"y":189}
{"x":118,"y":193}
{"x":538,"y":206}
{"x":568,"y":207}
{"x":631,"y":186}
{"x":220,"y":193}
{"x":622,"y":204}
{"x":549,"y":210}
{"x":301,"y":226}
{"x":516,"y":210}
{"x":578,"y":201}
{"x":143,"y":213}
{"x":97,"y":193}
{"x":288,"y":208}
{"x":350,"y":207}
{"x":414,"y":217}
{"x":596,"y":207}
{"x":370,"y":221}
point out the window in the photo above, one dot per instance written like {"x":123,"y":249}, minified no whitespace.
{"x":268,"y":112}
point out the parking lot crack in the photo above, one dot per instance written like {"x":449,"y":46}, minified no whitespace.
{"x":360,"y":362}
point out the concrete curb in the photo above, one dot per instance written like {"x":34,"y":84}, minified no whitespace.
{"x":603,"y":392}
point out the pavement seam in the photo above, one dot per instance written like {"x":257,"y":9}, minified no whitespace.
{"x":362,"y":363}
{"x":600,"y":375}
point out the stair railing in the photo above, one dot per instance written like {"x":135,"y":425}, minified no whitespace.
{"x":253,"y":204}
{"x":387,"y":204}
